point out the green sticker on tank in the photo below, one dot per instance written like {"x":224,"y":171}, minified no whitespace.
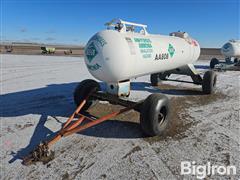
{"x":93,"y":67}
{"x":145,"y":46}
{"x":171,"y":50}
{"x":99,"y":39}
{"x":91,"y":52}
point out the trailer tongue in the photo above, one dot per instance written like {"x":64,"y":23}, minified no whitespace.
{"x":43,"y":153}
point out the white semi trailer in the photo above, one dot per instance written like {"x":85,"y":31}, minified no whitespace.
{"x":126,"y":50}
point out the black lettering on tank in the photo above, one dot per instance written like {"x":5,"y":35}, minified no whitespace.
{"x":161,"y":56}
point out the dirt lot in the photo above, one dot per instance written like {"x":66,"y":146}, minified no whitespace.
{"x":36,"y":99}
{"x":35,"y":49}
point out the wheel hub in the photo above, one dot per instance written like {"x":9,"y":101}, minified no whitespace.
{"x":161,"y":118}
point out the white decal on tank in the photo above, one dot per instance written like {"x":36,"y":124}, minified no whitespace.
{"x":131,"y":45}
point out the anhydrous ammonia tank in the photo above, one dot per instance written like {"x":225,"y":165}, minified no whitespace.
{"x":123,"y":53}
{"x":231,"y":49}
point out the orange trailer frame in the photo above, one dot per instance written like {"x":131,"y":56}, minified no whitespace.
{"x":41,"y":152}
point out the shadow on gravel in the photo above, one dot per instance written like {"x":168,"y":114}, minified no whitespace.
{"x":166,"y":89}
{"x":201,"y":66}
{"x":40,"y":134}
{"x":51,"y":101}
{"x":55,"y":100}
{"x":115,"y":129}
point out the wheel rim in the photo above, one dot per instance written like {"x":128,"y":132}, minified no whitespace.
{"x":91,"y":100}
{"x":214,"y":81}
{"x":162,"y":116}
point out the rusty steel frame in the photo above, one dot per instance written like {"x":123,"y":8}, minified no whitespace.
{"x":75,"y":127}
{"x":71,"y":127}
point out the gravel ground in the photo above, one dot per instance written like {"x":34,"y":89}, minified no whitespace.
{"x":36,"y":99}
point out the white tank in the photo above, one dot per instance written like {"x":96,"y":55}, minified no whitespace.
{"x":231,"y":49}
{"x":122,"y":53}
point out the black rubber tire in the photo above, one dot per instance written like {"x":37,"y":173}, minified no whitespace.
{"x":82,"y":90}
{"x":154,"y":79}
{"x":213,"y":62}
{"x":154,"y":115}
{"x":157,"y":77}
{"x":162,"y":76}
{"x":209,"y":82}
{"x":235,"y":60}
{"x":228,"y":60}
